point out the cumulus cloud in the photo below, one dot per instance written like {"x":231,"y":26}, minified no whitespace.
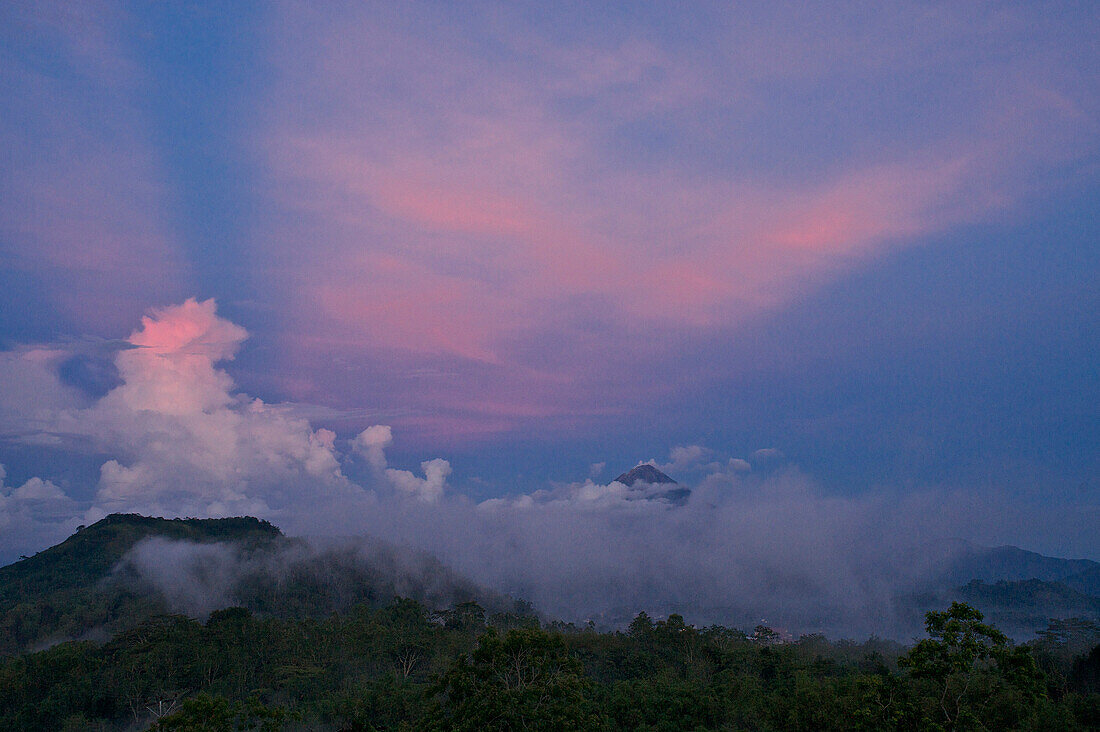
{"x":685,"y":459}
{"x":172,"y":368}
{"x":372,"y":442}
{"x":686,"y":456}
{"x":430,"y":487}
{"x":739,"y":465}
{"x":36,"y":507}
{"x":181,"y":441}
{"x":194,"y":444}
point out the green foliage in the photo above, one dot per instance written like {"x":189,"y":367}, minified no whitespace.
{"x":526,"y":680}
{"x":1085,"y":673}
{"x":206,"y":713}
{"x":67,"y":590}
{"x":404,"y":667}
{"x":1061,"y":652}
{"x":970,"y":676}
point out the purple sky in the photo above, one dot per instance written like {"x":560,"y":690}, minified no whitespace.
{"x":531,"y":241}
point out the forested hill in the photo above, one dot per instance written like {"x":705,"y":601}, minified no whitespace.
{"x":1019,"y":590}
{"x":68,"y":590}
{"x":91,"y":553}
{"x":970,"y":562}
{"x":127,"y":568}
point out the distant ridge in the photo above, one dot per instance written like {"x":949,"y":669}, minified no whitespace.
{"x":992,"y":564}
{"x":644,"y":473}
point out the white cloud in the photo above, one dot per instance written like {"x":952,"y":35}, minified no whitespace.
{"x":181,"y":441}
{"x":590,"y":495}
{"x":178,"y":411}
{"x":372,"y":443}
{"x":429,"y":488}
{"x":684,"y":458}
{"x":172,"y":368}
{"x":31,"y":393}
{"x":36,"y":508}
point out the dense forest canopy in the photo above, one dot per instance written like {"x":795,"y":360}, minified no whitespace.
{"x":404,"y":667}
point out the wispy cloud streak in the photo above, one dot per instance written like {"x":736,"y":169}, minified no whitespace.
{"x":465,"y":200}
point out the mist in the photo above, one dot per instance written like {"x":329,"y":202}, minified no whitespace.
{"x":744,"y":549}
{"x":311,"y":577}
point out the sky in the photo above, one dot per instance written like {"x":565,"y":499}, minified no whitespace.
{"x":307,"y":261}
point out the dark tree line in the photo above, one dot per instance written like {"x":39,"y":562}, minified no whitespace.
{"x":403,"y":667}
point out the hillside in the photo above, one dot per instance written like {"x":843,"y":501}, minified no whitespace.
{"x":1087,"y":581}
{"x":992,"y":564}
{"x":127,"y":568}
{"x":91,"y":553}
{"x":66,"y":591}
{"x":1021,"y":608}
{"x":285,"y":633}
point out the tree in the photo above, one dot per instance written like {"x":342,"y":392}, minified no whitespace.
{"x":1056,"y":648}
{"x":641,"y":626}
{"x":765,"y":636}
{"x":206,"y":713}
{"x":965,"y":665}
{"x":526,"y":680}
{"x":468,"y":617}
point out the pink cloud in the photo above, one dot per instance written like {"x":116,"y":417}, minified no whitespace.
{"x":868,"y":207}
{"x":478,"y":213}
{"x":190,"y":329}
{"x":410,"y":309}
